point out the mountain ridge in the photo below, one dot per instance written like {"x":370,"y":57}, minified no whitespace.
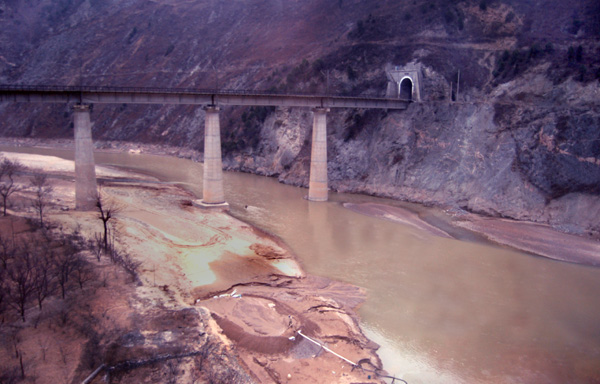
{"x":520,"y":139}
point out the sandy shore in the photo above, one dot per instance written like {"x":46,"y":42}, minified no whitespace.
{"x":397,"y":215}
{"x":251,"y":286}
{"x":537,"y":239}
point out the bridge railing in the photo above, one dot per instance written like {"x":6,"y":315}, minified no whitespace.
{"x":160,"y":90}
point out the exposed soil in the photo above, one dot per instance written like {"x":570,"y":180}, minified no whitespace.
{"x":192,"y":260}
{"x":210,"y":287}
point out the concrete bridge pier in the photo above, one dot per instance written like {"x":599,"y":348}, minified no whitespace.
{"x":212,"y":187}
{"x":317,"y":187}
{"x":86,"y":191}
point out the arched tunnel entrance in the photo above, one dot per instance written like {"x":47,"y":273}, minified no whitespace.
{"x":406,"y":87}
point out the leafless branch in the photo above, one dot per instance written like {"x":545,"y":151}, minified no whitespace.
{"x":8,"y":169}
{"x":42,"y":191}
{"x":107,"y":211}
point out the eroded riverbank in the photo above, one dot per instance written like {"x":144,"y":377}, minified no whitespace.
{"x":444,"y":311}
{"x":537,"y":239}
{"x":195,"y":259}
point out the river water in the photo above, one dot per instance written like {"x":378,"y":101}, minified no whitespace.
{"x":443,"y":310}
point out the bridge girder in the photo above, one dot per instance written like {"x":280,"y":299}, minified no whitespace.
{"x":110,"y":95}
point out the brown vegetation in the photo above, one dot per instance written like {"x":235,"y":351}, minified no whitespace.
{"x":52,"y":280}
{"x":74,"y":303}
{"x":46,"y":279}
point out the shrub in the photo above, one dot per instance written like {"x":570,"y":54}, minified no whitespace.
{"x":571,"y":54}
{"x":318,"y":66}
{"x":351,"y":73}
{"x":576,"y":25}
{"x":582,"y":72}
{"x":513,"y":62}
{"x":534,"y":51}
{"x":448,"y":15}
{"x":579,"y":54}
{"x":360,"y":28}
{"x":131,"y":35}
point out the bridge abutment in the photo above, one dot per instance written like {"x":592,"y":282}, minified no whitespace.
{"x":317,"y":187}
{"x":86,"y":191}
{"x":212,"y":187}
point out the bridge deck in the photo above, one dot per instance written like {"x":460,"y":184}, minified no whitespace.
{"x":128,"y":95}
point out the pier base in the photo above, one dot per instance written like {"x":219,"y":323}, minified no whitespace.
{"x":86,"y":190}
{"x":212,"y":187}
{"x":317,"y":187}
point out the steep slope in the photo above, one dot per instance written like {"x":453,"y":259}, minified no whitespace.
{"x":520,"y":138}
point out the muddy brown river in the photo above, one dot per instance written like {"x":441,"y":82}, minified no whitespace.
{"x":443,"y":310}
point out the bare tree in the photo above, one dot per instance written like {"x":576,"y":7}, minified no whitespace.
{"x":83,"y":272}
{"x":3,"y":294}
{"x":42,"y":191}
{"x":42,"y":277}
{"x":16,"y":339}
{"x":107,"y":212}
{"x":64,"y":262}
{"x":62,"y":317}
{"x":126,"y":262}
{"x":22,"y":366}
{"x":10,"y":376}
{"x":92,"y":351}
{"x":7,"y":251}
{"x":8,"y":169}
{"x":64,"y":354}
{"x":44,"y":344}
{"x":104,"y":279}
{"x":21,"y":284}
{"x":95,"y":245}
{"x":172,"y":371}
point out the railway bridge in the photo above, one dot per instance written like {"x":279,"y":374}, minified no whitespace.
{"x":81,"y":97}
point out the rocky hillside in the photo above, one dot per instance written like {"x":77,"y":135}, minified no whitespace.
{"x":520,"y":138}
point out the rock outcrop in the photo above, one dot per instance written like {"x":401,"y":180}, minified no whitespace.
{"x":518,"y":137}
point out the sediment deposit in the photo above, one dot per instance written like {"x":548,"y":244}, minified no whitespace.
{"x":211,"y":289}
